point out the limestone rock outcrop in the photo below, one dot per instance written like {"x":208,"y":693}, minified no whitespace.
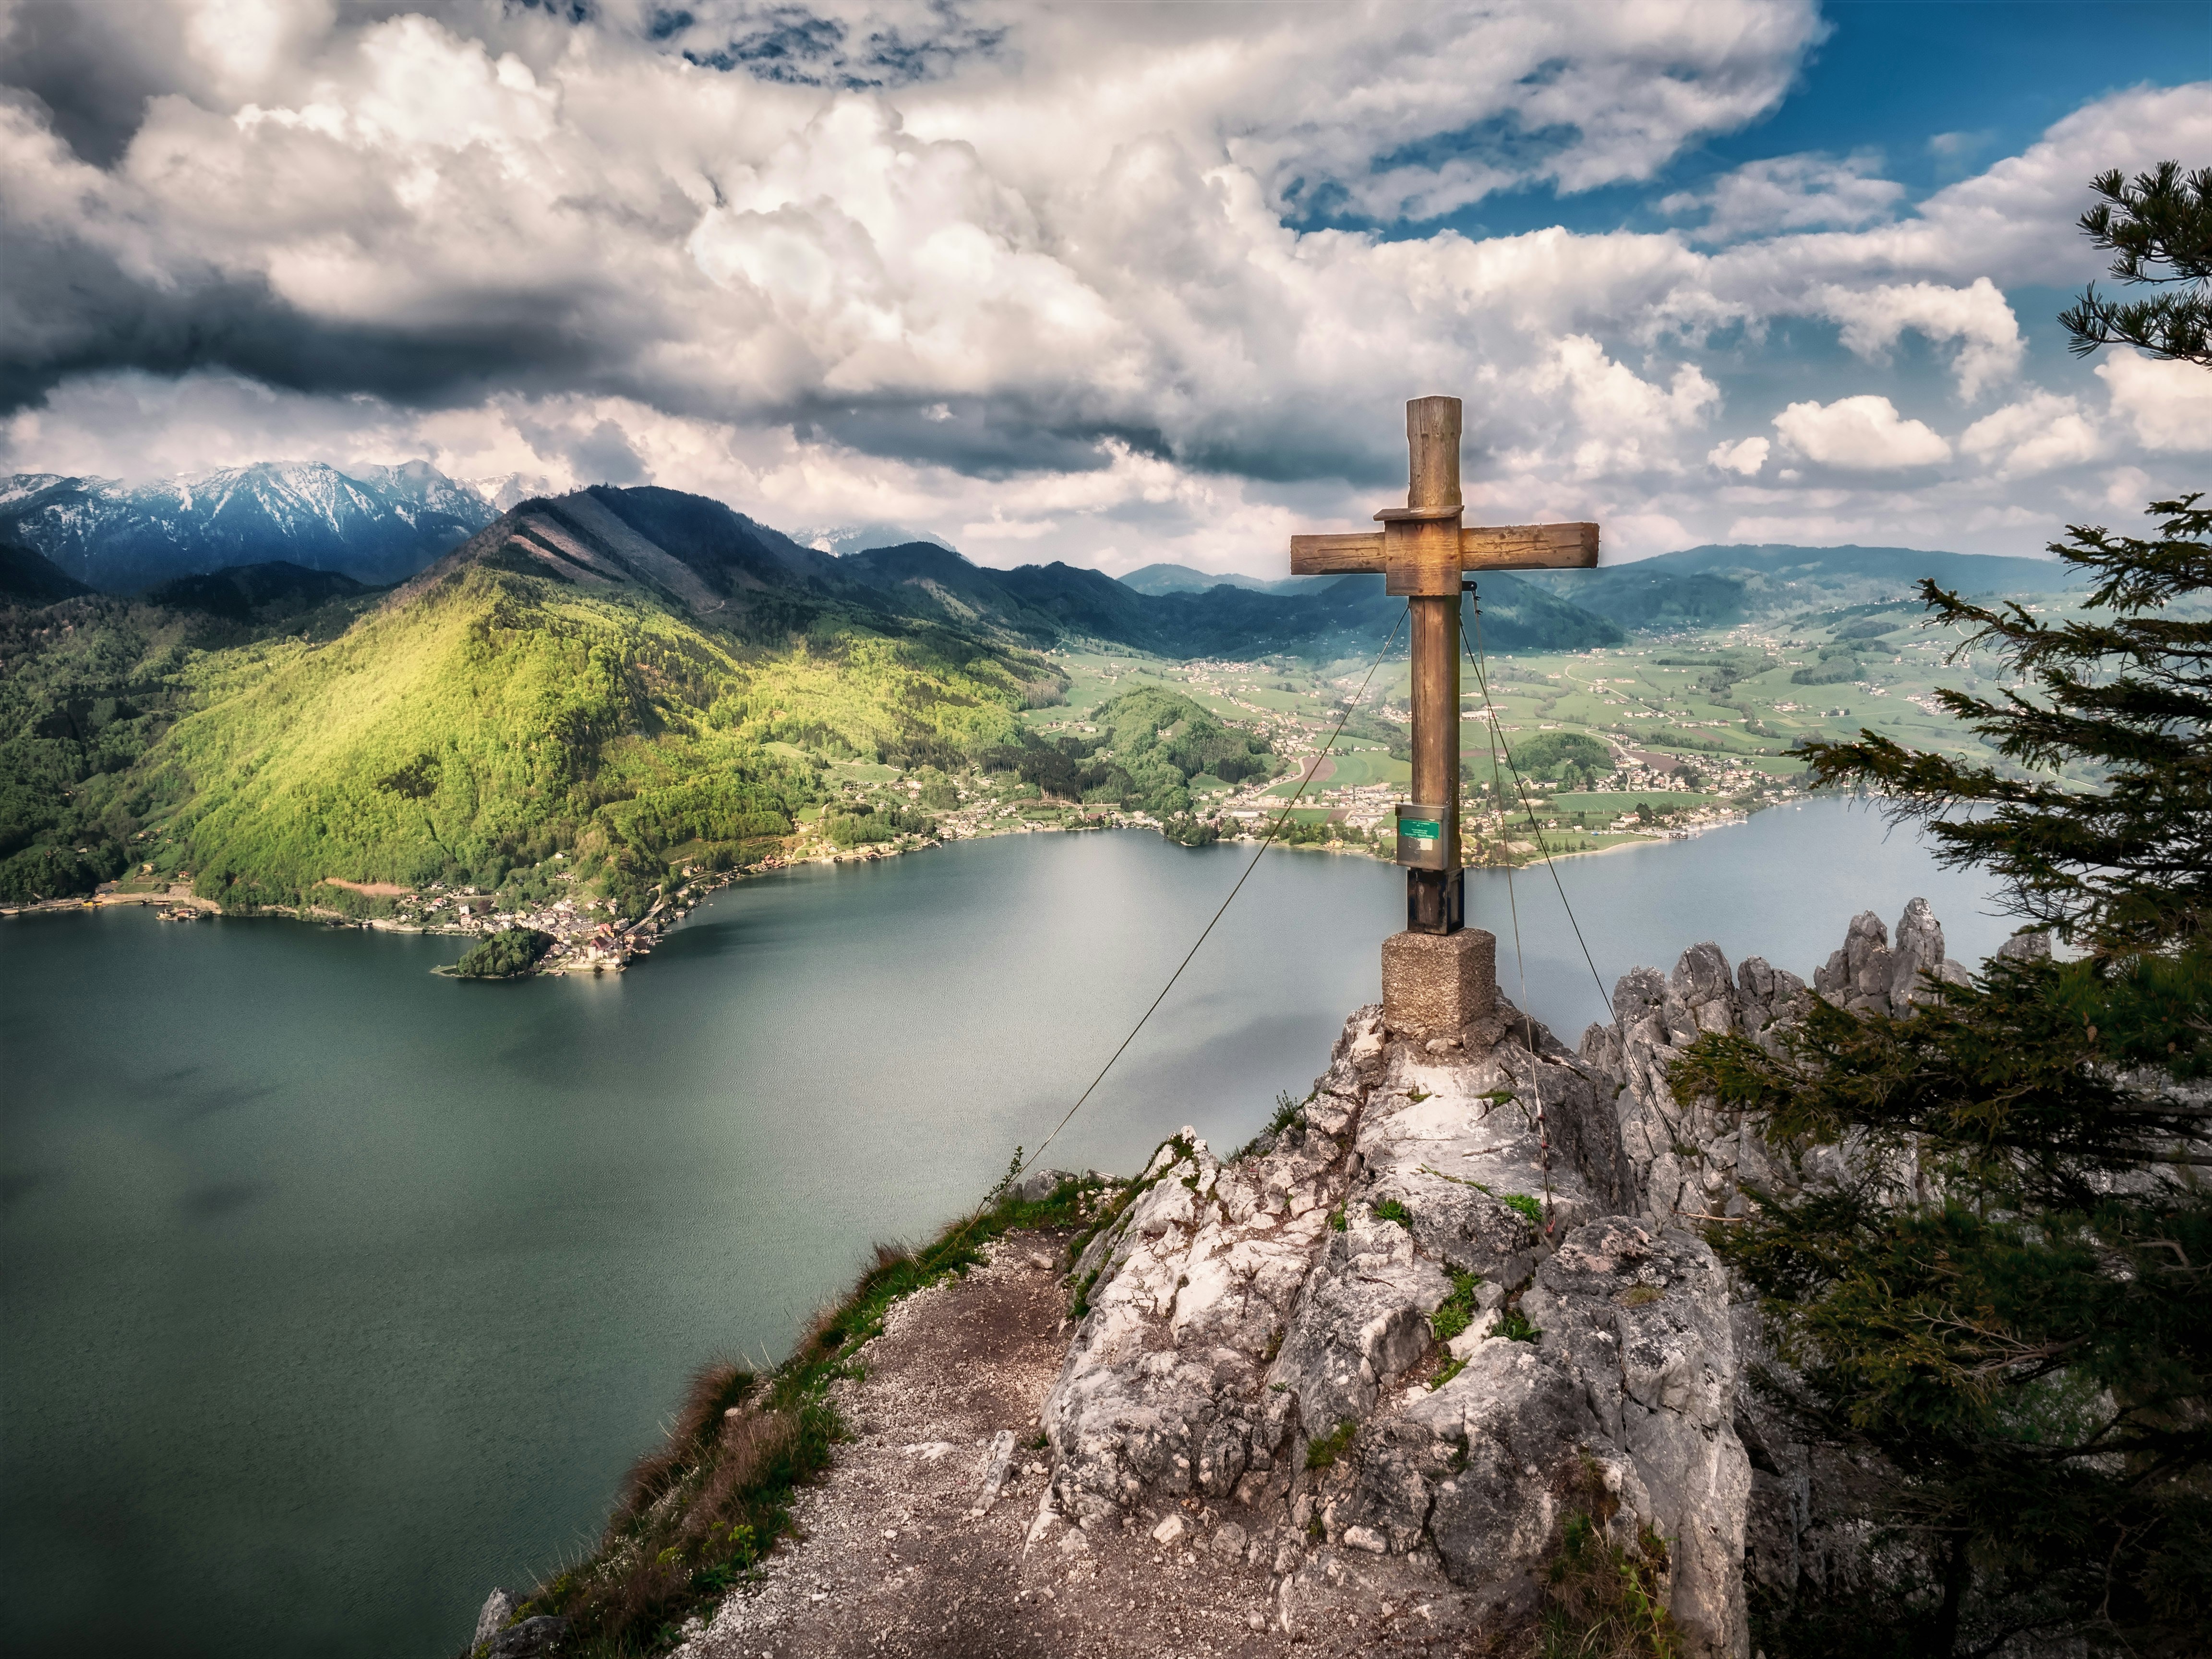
{"x":1689,"y":1162}
{"x":1263,"y":1333}
{"x":1463,"y":1296}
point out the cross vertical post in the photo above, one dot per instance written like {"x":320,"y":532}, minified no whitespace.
{"x":1421,"y":552}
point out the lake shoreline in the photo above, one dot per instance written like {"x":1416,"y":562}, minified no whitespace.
{"x":620,"y":946}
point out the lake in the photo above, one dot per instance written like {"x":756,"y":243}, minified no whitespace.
{"x":332,"y":1292}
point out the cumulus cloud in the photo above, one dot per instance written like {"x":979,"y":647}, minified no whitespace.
{"x":1977,"y":317}
{"x":1632,"y":421}
{"x":1064,"y":275}
{"x":2168,"y":405}
{"x":1860,"y":435}
{"x":1744,"y":457}
{"x":1789,"y":192}
{"x":2040,"y":432}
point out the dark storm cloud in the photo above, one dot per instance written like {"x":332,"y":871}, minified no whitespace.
{"x":71,"y":311}
{"x":1001,"y":437}
{"x":94,"y":94}
{"x":986,"y":438}
{"x":844,"y":252}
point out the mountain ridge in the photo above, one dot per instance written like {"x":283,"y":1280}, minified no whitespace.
{"x":1164,"y":578}
{"x":1717,"y":584}
{"x":383,"y":525}
{"x":721,"y":566}
{"x":377,"y":524}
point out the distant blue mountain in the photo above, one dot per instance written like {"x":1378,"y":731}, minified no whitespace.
{"x":1157,"y":578}
{"x":376,"y":525}
{"x":1715,"y":586}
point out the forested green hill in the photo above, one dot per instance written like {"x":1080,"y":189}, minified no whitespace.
{"x":1147,"y":746}
{"x":477,"y":721}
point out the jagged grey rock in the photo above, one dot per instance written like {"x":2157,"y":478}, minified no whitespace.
{"x":1257,"y":1337}
{"x":531,"y":1639}
{"x":1039,"y":1185}
{"x":1256,"y":1333}
{"x":1642,"y":1322}
{"x":498,"y":1608}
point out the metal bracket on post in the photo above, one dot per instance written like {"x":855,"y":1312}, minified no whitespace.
{"x":1436,"y":901}
{"x":1435,"y":893}
{"x":1425,"y":835}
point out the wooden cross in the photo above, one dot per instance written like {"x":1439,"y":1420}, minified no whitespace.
{"x":1422,"y":550}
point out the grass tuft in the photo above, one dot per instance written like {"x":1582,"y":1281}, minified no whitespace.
{"x":1529,"y":1207}
{"x":1602,"y":1601}
{"x":1324,"y":1451}
{"x":1391,"y":1210}
{"x":1457,"y":1311}
{"x":1287,"y":1112}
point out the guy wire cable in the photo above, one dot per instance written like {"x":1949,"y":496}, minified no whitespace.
{"x":1275,"y":829}
{"x":1495,"y":736}
{"x":1521,"y":787}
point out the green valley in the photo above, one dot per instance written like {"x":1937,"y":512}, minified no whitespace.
{"x":600,"y":699}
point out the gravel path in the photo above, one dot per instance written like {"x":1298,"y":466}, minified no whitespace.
{"x":892,"y":1561}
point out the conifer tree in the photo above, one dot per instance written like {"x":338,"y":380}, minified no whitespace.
{"x":2002,"y":1313}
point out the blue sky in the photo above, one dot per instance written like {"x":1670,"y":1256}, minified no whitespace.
{"x":1937,"y":89}
{"x":1112,"y":283}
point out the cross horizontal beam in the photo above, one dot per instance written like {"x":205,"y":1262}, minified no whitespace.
{"x":1497,"y":547}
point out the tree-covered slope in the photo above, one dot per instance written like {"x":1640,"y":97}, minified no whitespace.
{"x":86,"y":684}
{"x":1146,"y":746}
{"x":498,"y":716}
{"x":31,"y":578}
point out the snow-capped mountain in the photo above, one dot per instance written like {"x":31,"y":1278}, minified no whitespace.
{"x":379,"y":524}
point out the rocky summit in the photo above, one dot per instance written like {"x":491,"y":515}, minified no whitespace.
{"x":1462,"y":1297}
{"x":1396,"y":1379}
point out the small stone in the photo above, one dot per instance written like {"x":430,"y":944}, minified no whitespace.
{"x":1075,"y":1543}
{"x":1259,"y":1621}
{"x":1229,"y":1540}
{"x":530,"y":1639}
{"x":498,"y":1608}
{"x":1168,"y":1530}
{"x":1366,"y":1538}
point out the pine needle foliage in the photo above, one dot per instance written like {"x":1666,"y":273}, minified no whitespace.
{"x":2158,"y":226}
{"x":1992,"y":1294}
{"x":2119,"y":699}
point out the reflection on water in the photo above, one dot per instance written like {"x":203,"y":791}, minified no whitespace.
{"x":334,"y":1292}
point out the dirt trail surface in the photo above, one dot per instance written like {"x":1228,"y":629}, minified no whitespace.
{"x":893,"y":1561}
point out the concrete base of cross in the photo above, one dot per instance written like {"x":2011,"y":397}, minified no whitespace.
{"x":1435,"y":984}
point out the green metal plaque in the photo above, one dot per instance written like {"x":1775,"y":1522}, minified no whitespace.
{"x":1425,"y":835}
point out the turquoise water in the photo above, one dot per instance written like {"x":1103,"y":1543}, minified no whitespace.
{"x":332,"y":1292}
